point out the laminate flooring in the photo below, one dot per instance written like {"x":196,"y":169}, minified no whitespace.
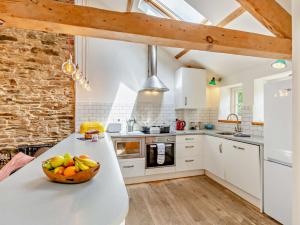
{"x":190,"y":201}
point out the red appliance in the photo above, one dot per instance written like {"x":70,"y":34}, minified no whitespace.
{"x":180,"y":124}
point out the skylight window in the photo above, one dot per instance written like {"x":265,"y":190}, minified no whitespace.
{"x":179,"y":9}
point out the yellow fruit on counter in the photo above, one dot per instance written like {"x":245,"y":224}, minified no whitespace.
{"x":68,"y":160}
{"x":84,"y":157}
{"x":80,"y":164}
{"x":57,"y":161}
{"x":59,"y":170}
{"x":47,"y":165}
{"x":88,"y":162}
{"x":77,"y":168}
{"x":70,"y":171}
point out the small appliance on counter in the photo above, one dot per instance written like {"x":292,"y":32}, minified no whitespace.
{"x":162,"y":129}
{"x":209,"y":126}
{"x":180,"y":124}
{"x":88,"y":126}
{"x":114,"y":128}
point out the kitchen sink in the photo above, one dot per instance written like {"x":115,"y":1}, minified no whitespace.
{"x":226,"y":133}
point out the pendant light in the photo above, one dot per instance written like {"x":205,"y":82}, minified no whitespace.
{"x":279,"y":64}
{"x":212,"y":82}
{"x":78,"y":75}
{"x":69,"y":67}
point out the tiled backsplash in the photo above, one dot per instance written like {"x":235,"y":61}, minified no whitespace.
{"x":144,"y":113}
{"x":246,"y":123}
{"x":153,"y":113}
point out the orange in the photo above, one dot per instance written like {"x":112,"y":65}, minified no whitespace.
{"x":84,"y":157}
{"x":70,"y":171}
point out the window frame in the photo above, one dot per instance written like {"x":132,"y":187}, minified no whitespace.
{"x":234,"y":91}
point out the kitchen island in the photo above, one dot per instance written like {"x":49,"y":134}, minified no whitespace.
{"x":29,"y":198}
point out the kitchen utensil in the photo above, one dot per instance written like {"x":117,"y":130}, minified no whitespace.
{"x":164,"y":129}
{"x":80,"y":177}
{"x":180,"y":124}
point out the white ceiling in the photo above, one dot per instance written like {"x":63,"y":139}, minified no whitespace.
{"x":215,"y":11}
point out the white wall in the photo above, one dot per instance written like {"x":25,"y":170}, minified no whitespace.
{"x":248,"y":77}
{"x":117,"y":71}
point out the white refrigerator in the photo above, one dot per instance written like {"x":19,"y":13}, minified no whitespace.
{"x":278,"y":150}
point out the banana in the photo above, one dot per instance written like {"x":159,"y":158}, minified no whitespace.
{"x":88,"y":162}
{"x":81,"y":165}
{"x":77,"y":168}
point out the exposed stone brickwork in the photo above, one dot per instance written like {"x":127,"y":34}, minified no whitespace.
{"x":36,"y":98}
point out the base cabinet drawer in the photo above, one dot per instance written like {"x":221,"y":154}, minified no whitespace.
{"x":189,"y":163}
{"x":188,"y":138}
{"x":188,"y":149}
{"x":132,"y":167}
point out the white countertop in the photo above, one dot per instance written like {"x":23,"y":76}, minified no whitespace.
{"x":255,"y":140}
{"x":28,"y":198}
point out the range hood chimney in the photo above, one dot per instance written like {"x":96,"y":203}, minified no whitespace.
{"x":153,"y":83}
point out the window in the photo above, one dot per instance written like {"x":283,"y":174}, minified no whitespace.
{"x":231,"y":100}
{"x":180,"y":10}
{"x":236,"y":100}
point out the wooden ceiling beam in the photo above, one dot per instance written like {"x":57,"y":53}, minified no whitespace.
{"x":56,"y":17}
{"x":270,"y":13}
{"x":232,"y":16}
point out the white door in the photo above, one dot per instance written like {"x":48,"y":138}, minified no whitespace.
{"x":213,"y":155}
{"x":242,"y":166}
{"x":278,"y":192}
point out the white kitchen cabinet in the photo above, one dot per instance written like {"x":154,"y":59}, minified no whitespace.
{"x":190,"y":88}
{"x":189,"y":163}
{"x":214,"y":156}
{"x":132,"y":167}
{"x":189,"y":152}
{"x":242,"y":166}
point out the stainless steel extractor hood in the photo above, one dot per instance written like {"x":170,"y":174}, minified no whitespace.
{"x":153,"y":83}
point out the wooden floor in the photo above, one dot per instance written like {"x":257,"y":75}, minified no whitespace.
{"x":189,"y":201}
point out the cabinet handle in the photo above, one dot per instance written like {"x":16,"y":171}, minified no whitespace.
{"x":127,"y":167}
{"x":189,"y":139}
{"x":239,"y":148}
{"x":189,"y":160}
{"x":221,"y":148}
{"x":190,"y":146}
{"x":185,"y":101}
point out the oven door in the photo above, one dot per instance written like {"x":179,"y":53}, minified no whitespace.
{"x":152,"y":156}
{"x":129,"y":147}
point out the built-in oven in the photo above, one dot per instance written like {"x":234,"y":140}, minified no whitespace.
{"x":160,"y":151}
{"x":129,"y":147}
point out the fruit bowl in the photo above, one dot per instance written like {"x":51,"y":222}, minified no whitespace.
{"x":70,"y":170}
{"x":80,"y":177}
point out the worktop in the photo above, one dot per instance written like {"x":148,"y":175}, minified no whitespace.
{"x":255,"y":140}
{"x":29,"y":198}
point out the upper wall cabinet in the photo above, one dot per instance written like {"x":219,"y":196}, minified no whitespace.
{"x":190,"y":88}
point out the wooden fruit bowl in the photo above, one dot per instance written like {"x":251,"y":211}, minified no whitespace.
{"x":80,"y":177}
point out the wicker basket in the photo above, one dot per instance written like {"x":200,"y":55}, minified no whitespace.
{"x":80,"y":177}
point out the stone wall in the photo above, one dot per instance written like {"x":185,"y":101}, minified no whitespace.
{"x":36,"y":99}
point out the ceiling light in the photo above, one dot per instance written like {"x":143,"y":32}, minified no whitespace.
{"x":279,"y":64}
{"x":212,"y":82}
{"x":69,"y":67}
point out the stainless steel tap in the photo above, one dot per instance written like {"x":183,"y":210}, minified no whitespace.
{"x":130,"y":124}
{"x":238,"y":127}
